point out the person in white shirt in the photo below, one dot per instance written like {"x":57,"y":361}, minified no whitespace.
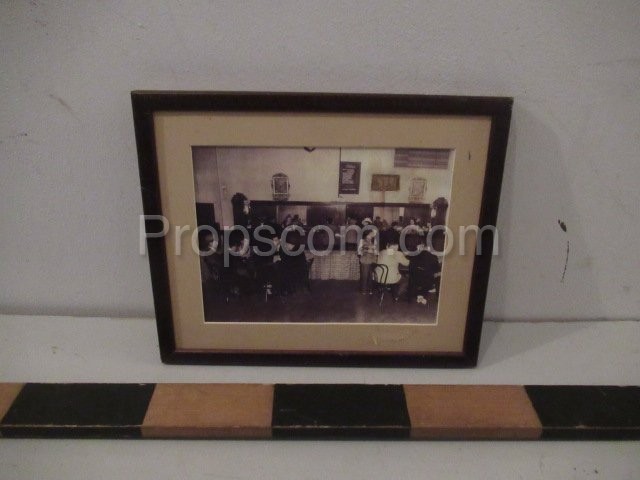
{"x":392,"y":257}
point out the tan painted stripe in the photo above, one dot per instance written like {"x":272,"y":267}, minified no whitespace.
{"x":471,"y":412}
{"x":182,"y":410}
{"x":8,"y":393}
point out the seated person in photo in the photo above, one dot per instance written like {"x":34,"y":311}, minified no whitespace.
{"x":296,"y":220}
{"x":436,"y":240}
{"x":412,"y":227}
{"x":241,"y":272}
{"x":266,"y":256}
{"x":332,"y":226}
{"x":211,"y":266}
{"x":293,"y":263}
{"x":320,"y":240}
{"x":332,"y":232}
{"x":210,"y":258}
{"x":288,"y":221}
{"x":424,"y":270}
{"x":392,"y":257}
{"x":412,"y":241}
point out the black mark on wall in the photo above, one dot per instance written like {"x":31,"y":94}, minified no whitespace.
{"x":563,"y":226}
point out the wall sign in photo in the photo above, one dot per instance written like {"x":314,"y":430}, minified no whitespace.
{"x":385,"y":183}
{"x":393,"y":274}
{"x":349,"y":178}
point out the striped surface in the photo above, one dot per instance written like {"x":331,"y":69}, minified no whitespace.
{"x":319,"y":411}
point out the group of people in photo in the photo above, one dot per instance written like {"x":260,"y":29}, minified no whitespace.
{"x":397,"y":256}
{"x":268,"y":265}
{"x":405,"y":260}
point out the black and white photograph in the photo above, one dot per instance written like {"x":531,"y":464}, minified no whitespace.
{"x":331,"y":229}
{"x":280,"y":240}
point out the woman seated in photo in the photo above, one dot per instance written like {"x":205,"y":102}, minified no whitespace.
{"x":240,"y":273}
{"x":210,"y":258}
{"x":267,"y":262}
{"x":391,"y":257}
{"x":212,"y":266}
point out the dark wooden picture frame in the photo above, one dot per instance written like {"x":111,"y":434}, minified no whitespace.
{"x":150,"y":108}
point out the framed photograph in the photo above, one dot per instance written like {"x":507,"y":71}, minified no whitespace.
{"x":246,"y":273}
{"x":349,"y":178}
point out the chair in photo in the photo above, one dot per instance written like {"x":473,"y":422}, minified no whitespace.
{"x":267,"y":279}
{"x":309,"y":265}
{"x":380,"y":273}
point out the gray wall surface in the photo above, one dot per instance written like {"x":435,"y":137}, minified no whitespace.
{"x":69,"y":187}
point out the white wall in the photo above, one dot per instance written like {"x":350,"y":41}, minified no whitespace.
{"x":69,"y":188}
